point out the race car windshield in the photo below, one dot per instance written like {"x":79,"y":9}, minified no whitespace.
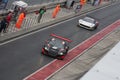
{"x":89,"y":19}
{"x":57,"y":43}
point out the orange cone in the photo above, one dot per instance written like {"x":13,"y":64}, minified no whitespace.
{"x":56,"y":10}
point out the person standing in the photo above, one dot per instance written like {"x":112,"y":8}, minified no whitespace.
{"x":9,"y":17}
{"x":20,"y":20}
{"x":77,"y":8}
{"x":16,"y":13}
{"x":3,"y":25}
{"x":41,"y":12}
{"x":56,"y":10}
{"x":94,"y":1}
{"x":16,"y":10}
{"x":99,"y":2}
{"x":82,"y":2}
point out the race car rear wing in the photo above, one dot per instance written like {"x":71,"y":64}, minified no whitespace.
{"x":62,"y":38}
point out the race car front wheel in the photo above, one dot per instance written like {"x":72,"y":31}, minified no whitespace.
{"x":93,"y":28}
{"x":61,"y":57}
{"x":42,"y":51}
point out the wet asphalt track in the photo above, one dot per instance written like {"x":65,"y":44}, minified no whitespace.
{"x":22,"y":57}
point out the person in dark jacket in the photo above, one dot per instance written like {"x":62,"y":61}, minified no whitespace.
{"x":15,"y":13}
{"x":3,"y":25}
{"x":41,"y":12}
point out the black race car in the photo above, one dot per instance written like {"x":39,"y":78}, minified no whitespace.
{"x":56,"y":46}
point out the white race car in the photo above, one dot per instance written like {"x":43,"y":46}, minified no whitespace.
{"x":88,"y":23}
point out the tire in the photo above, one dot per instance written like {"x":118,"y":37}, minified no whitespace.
{"x":61,"y":57}
{"x":92,"y":29}
{"x":95,"y":27}
{"x":42,"y":53}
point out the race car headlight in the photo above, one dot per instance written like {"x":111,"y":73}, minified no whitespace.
{"x":60,"y":53}
{"x":92,"y":25}
{"x":46,"y":48}
{"x":80,"y":21}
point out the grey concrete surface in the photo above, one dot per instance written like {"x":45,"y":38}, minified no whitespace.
{"x":71,"y":72}
{"x":30,"y":23}
{"x":76,"y":69}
